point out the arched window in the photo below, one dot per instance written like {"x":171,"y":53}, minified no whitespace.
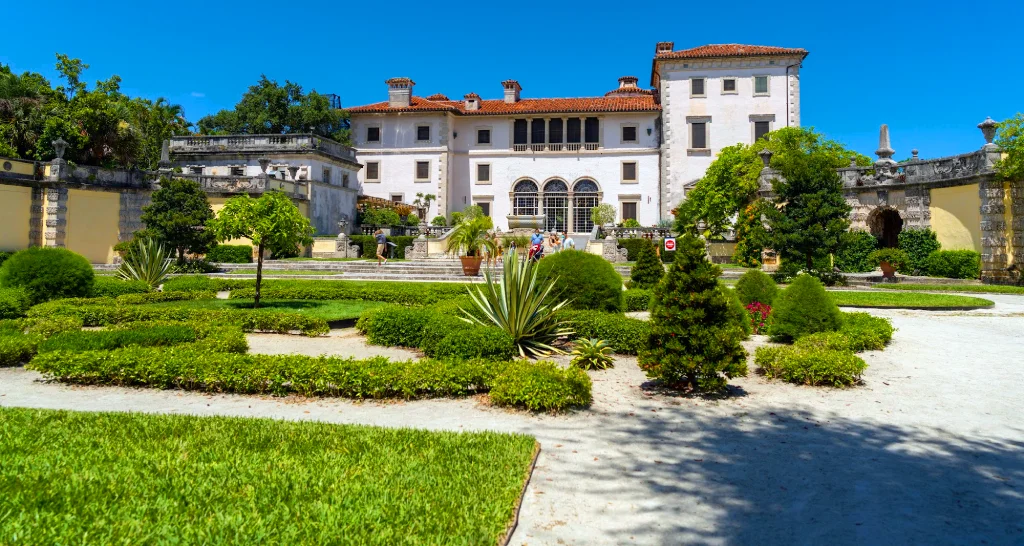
{"x":524,"y":198}
{"x":584,"y":198}
{"x":556,"y":205}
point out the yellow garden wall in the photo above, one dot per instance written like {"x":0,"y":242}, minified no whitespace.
{"x":15,"y":211}
{"x":92,"y":224}
{"x":956,"y":217}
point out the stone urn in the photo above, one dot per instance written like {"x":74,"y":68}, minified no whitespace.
{"x":471,"y":265}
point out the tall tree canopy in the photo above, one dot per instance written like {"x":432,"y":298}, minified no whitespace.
{"x":1011,"y":139}
{"x":102,"y":126}
{"x":268,"y":107}
{"x":177,"y":216}
{"x":730,"y":184}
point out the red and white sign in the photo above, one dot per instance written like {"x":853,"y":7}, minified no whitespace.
{"x":670,"y":244}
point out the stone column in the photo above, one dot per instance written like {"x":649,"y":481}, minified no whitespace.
{"x":917,"y":200}
{"x":570,"y":220}
{"x":130,"y":221}
{"x":993,"y":230}
{"x":1017,"y":228}
{"x":55,"y":216}
{"x":35,"y":218}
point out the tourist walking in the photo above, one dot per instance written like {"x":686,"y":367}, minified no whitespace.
{"x":567,"y":242}
{"x":381,"y":247}
{"x":536,"y":245}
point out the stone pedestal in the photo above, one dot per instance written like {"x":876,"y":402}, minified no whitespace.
{"x":419,"y":249}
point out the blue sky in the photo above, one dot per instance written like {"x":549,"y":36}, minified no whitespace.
{"x":931,"y":70}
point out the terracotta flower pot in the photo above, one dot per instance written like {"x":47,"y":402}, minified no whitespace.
{"x":471,"y":265}
{"x":888,"y":271}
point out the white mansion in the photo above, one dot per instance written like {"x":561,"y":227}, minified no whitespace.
{"x":547,"y":162}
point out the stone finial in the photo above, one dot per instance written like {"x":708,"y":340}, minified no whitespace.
{"x":59,"y":146}
{"x":884,"y":150}
{"x":294,"y":170}
{"x":264,"y":164}
{"x":165,"y":156}
{"x":988,"y":129}
{"x":766,"y":157}
{"x":913,"y":154}
{"x":853,"y":162}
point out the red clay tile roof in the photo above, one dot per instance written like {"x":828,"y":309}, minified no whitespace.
{"x":729,"y":50}
{"x":438,"y":96}
{"x":634,"y":103}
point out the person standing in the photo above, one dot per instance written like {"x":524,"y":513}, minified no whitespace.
{"x":381,"y":246}
{"x":536,"y":245}
{"x":567,"y":242}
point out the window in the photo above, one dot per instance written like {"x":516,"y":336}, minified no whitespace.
{"x":729,"y":85}
{"x":422,"y":170}
{"x":483,"y":136}
{"x":519,"y":131}
{"x":483,"y":173}
{"x":344,"y":180}
{"x":373,"y":134}
{"x":397,"y":197}
{"x":195,"y":169}
{"x":485,"y":206}
{"x":237,"y":171}
{"x":423,"y":133}
{"x":373,"y":171}
{"x":629,"y":171}
{"x":524,"y":198}
{"x":327,"y":175}
{"x":698,"y":135}
{"x":760,"y":85}
{"x":761,"y":128}
{"x":629,"y":133}
{"x":628,"y":211}
{"x":696,"y":87}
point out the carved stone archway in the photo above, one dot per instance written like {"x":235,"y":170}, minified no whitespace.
{"x":885,"y":223}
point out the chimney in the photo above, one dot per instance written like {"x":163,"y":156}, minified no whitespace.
{"x":400,"y":92}
{"x":471,"y":101}
{"x":512,"y":89}
{"x":628,"y":82}
{"x":663,"y":47}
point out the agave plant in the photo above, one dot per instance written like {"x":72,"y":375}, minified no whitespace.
{"x":147,"y":261}
{"x":592,"y":354}
{"x":517,"y":305}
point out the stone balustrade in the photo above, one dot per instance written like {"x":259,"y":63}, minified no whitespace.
{"x":201,"y":144}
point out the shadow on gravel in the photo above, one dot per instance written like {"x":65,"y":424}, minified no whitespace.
{"x":779,"y":477}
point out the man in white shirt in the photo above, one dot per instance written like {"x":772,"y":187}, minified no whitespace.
{"x":567,"y":242}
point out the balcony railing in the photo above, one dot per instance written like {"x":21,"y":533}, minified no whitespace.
{"x":557,"y":147}
{"x":246,"y":184}
{"x":260,"y":144}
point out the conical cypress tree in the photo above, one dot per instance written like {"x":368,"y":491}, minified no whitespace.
{"x":694,"y":342}
{"x":648,"y":269}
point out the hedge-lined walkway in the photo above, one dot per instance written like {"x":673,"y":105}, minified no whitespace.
{"x":927,"y":451}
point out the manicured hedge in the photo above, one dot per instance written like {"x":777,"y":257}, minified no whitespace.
{"x":810,"y":365}
{"x":368,"y":244}
{"x":184,"y":367}
{"x":390,"y":292}
{"x":201,"y":283}
{"x":13,"y":303}
{"x":854,"y":248}
{"x":756,"y":286}
{"x":634,"y":245}
{"x":157,"y":297}
{"x":106,"y":340}
{"x":43,"y":326}
{"x":93,"y":314}
{"x":638,"y":299}
{"x":586,"y":281}
{"x":4,"y":256}
{"x":17,"y":349}
{"x":113,"y":287}
{"x":803,"y":308}
{"x":541,"y":386}
{"x":626,"y":335}
{"x":954,"y":264}
{"x":918,"y":245}
{"x":437,"y":334}
{"x":230,"y":254}
{"x":48,"y":273}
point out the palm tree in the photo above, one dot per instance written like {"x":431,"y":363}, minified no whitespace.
{"x":472,"y":236}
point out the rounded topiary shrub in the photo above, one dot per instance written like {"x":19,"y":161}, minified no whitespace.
{"x":541,"y":386}
{"x":48,"y":273}
{"x":954,"y":264}
{"x":738,"y":311}
{"x":648,"y":269}
{"x":586,"y":280}
{"x":756,"y":286}
{"x":804,"y":308}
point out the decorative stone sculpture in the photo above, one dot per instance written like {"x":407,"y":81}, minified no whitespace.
{"x":264,"y":164}
{"x":884,"y":151}
{"x":988,"y":129}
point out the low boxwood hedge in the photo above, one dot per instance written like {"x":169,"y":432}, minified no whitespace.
{"x":390,"y":292}
{"x":17,"y":349}
{"x":954,"y":264}
{"x":112,"y":287}
{"x":368,"y":245}
{"x":437,"y":334}
{"x":202,"y":283}
{"x":230,"y":254}
{"x":13,"y":303}
{"x":103,"y":340}
{"x":815,"y":364}
{"x":541,"y":386}
{"x":626,"y":335}
{"x":638,"y":299}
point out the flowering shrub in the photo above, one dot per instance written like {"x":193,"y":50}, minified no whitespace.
{"x":759,"y":316}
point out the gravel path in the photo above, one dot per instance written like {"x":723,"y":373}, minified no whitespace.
{"x":929,"y":451}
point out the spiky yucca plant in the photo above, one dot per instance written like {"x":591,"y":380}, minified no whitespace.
{"x":147,"y":261}
{"x":516,"y":305}
{"x":592,"y":354}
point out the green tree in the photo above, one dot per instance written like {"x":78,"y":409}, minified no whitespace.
{"x":177,"y":217}
{"x":270,"y":221}
{"x":1010,"y":138}
{"x":269,"y":107}
{"x":602,"y":214}
{"x":695,"y":340}
{"x":751,"y":236}
{"x":648,"y":270}
{"x":730,"y":183}
{"x":810,"y":213}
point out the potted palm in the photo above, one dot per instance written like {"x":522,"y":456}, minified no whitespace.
{"x":890,"y":260}
{"x":471,"y":237}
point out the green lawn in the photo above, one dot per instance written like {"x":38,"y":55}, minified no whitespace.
{"x":911,"y":300}
{"x":328,"y":310}
{"x":119,"y":478}
{"x":977,"y":288}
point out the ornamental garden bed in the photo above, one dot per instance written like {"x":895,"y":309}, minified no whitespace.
{"x":134,"y":478}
